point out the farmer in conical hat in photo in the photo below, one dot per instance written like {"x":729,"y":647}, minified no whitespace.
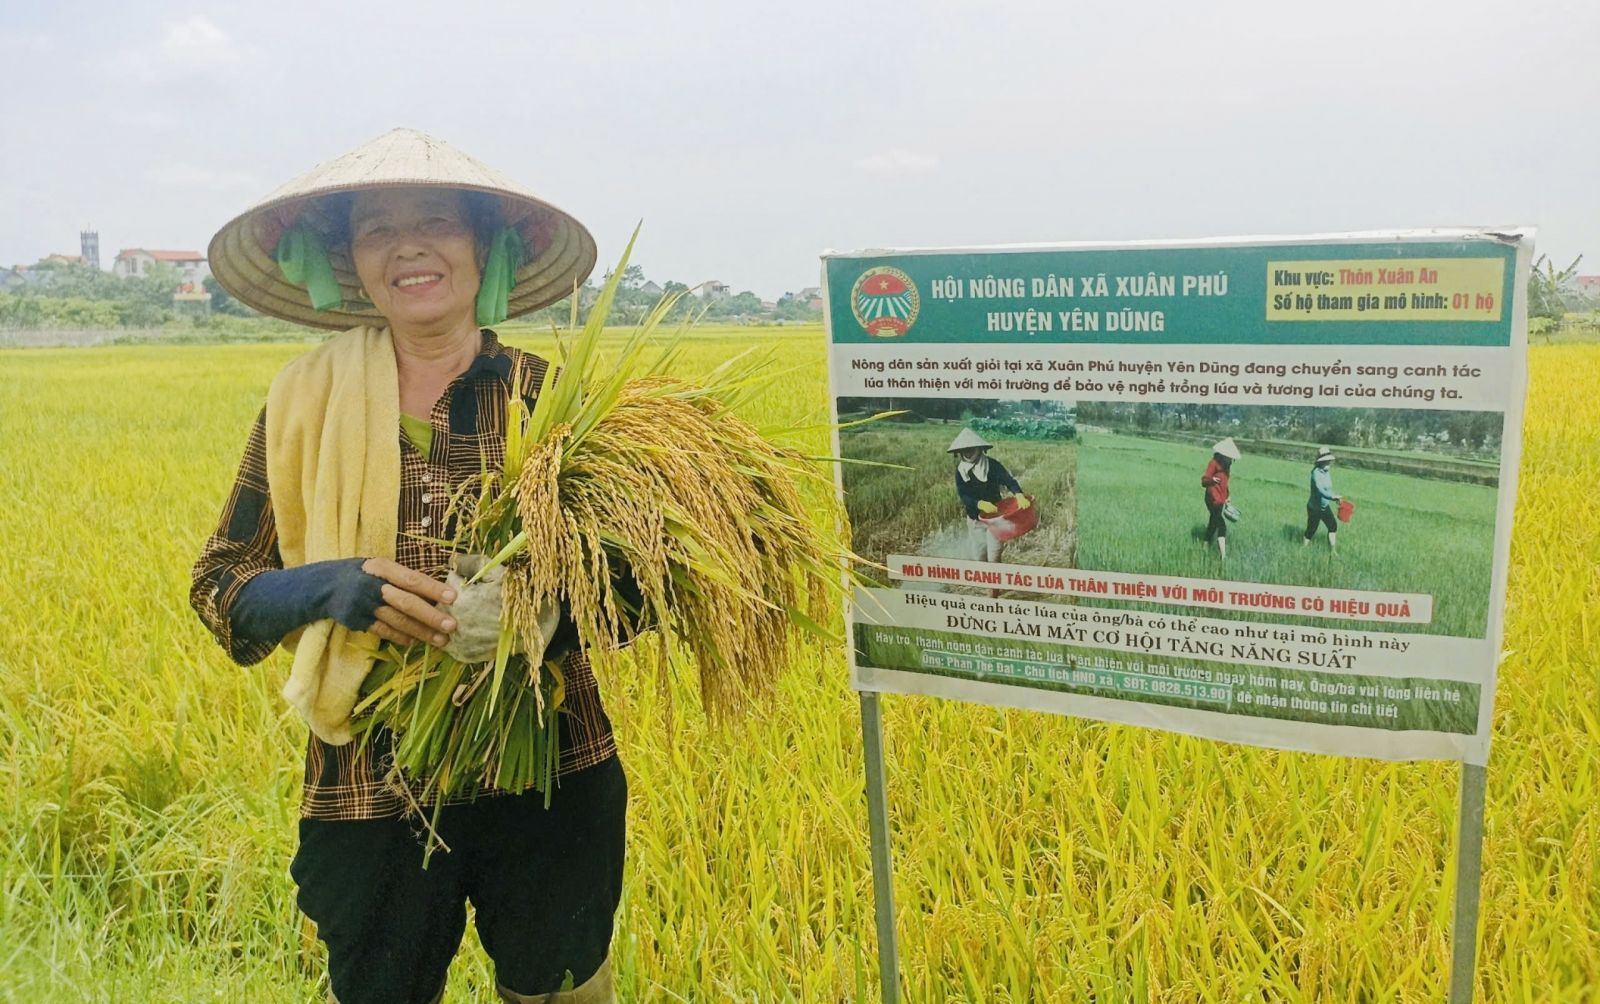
{"x":1321,"y":505}
{"x":328,"y":542}
{"x":1217,"y":493}
{"x":981,"y":482}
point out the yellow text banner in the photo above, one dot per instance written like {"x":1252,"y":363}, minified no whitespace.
{"x":1386,"y":289}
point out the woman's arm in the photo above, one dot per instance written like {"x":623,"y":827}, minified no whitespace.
{"x":276,"y":602}
{"x":249,"y":601}
{"x":243,"y":546}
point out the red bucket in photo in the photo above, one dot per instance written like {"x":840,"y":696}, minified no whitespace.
{"x":1009,"y":521}
{"x":1347,"y":509}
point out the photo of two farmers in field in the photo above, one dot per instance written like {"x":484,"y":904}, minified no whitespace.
{"x":1111,"y":486}
{"x":1322,"y":504}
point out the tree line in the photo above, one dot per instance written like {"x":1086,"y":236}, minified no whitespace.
{"x":72,"y":296}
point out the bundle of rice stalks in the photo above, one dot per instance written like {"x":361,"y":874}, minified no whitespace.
{"x":620,"y":473}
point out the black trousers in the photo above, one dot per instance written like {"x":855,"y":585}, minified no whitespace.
{"x":545,"y":884}
{"x":1218,"y":526}
{"x":1323,"y":516}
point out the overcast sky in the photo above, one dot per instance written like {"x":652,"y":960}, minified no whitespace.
{"x":749,"y":137}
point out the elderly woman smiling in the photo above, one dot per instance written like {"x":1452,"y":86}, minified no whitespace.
{"x":333,"y":537}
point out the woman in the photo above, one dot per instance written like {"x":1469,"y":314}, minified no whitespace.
{"x":981,"y":482}
{"x":1217,"y":493}
{"x":331,"y":538}
{"x":1322,"y":504}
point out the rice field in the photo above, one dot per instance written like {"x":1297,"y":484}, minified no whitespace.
{"x":1140,"y":509}
{"x":148,"y":787}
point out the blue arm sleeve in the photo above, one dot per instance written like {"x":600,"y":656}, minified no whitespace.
{"x":274,"y":603}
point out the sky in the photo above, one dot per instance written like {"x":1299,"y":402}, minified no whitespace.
{"x":750,"y":137}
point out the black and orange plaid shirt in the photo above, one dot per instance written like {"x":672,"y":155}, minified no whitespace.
{"x":347,"y":782}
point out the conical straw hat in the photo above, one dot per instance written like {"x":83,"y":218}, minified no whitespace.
{"x":966,"y":439}
{"x":560,"y":251}
{"x":1226,"y":448}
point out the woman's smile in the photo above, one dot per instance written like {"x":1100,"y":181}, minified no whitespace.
{"x":417,"y":282}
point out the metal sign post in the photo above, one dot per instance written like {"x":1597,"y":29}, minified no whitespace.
{"x":1469,"y":881}
{"x":882,"y":865}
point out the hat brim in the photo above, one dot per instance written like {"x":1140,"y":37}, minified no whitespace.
{"x":562,"y":255}
{"x":560,"y":251}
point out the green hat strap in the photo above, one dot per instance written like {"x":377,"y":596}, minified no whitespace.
{"x":499,"y":275}
{"x":304,"y":262}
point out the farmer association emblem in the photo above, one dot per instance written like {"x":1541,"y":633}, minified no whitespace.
{"x":885,"y":301}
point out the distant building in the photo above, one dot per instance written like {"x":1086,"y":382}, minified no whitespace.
{"x":651,"y":288}
{"x":89,"y":244}
{"x":1588,"y":286}
{"x":714,"y":290}
{"x":191,"y":265}
{"x":811,"y":297}
{"x":63,"y":259}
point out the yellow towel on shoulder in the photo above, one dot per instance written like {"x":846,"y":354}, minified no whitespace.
{"x":333,"y":469}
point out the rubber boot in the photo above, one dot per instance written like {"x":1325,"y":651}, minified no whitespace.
{"x":597,"y":989}
{"x":1333,"y":540}
{"x":1222,"y":548}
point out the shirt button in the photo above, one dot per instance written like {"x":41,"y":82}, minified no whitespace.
{"x":426,"y":477}
{"x":427,"y":521}
{"x":426,"y":498}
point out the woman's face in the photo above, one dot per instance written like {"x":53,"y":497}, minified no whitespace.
{"x":415,"y":254}
{"x":971,"y":455}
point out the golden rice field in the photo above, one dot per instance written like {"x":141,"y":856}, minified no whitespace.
{"x":148,"y":787}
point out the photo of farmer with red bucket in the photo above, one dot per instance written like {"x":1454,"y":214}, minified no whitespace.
{"x":997,"y":510}
{"x":1218,"y":496}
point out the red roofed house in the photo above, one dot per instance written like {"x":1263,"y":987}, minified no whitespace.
{"x":191,"y":265}
{"x":1588,"y":286}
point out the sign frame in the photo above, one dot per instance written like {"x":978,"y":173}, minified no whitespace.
{"x":1471,"y":800}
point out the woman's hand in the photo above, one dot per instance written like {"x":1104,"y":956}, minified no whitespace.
{"x":407,"y":613}
{"x":987,"y":507}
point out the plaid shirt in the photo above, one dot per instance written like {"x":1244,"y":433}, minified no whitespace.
{"x":346,"y":782}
